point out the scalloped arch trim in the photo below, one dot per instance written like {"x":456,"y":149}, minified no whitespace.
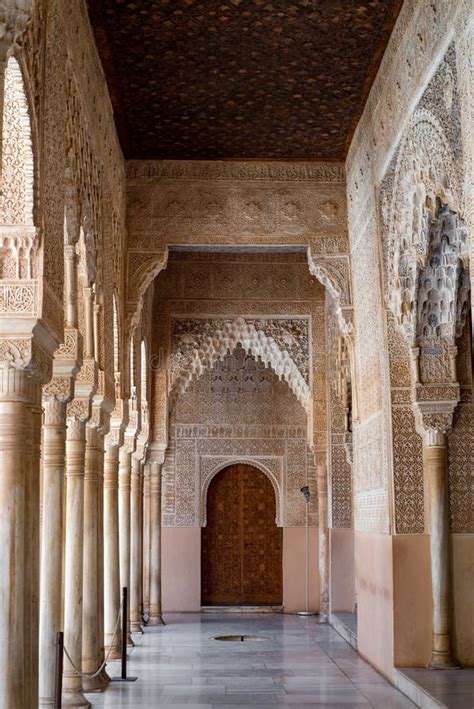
{"x":254,"y":342}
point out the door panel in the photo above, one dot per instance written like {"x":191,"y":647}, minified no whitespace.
{"x":241,"y":549}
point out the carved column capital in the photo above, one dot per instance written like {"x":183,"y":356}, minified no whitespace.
{"x":434,"y":420}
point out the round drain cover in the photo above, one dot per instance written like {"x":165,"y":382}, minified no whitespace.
{"x":239,"y":638}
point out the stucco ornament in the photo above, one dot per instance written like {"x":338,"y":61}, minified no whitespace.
{"x":204,"y":351}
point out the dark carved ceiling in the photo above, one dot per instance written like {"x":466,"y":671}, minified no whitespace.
{"x":208,"y":79}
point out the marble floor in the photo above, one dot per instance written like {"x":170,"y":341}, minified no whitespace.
{"x":294,"y":663}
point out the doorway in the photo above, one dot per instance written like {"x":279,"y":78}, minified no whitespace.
{"x":241,"y":546}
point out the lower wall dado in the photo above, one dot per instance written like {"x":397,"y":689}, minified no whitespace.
{"x":181,"y":569}
{"x":342,"y":581}
{"x":463,"y":584}
{"x":375,"y":640}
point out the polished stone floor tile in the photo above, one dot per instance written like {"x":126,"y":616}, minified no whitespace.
{"x":297,"y":664}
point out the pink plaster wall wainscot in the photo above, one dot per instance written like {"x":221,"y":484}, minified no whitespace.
{"x":294,"y":569}
{"x":373,"y":553}
{"x":463,"y":585}
{"x":181,"y":568}
{"x":412,"y":604}
{"x":342,"y":571}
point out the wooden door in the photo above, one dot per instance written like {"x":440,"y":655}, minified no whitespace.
{"x":241,"y":546}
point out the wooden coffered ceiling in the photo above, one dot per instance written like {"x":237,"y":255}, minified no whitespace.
{"x":216,"y":79}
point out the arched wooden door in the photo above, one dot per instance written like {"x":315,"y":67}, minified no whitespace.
{"x":241,"y":546}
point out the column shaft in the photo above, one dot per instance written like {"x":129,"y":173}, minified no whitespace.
{"x":90,"y":618}
{"x":74,"y":560}
{"x":155,"y":545}
{"x":14,"y":432}
{"x":125,"y":462}
{"x":435,"y":464}
{"x":111,"y":552}
{"x":100,"y":554}
{"x":32,"y":551}
{"x":135,"y":547}
{"x":323,"y":542}
{"x":146,"y":542}
{"x":54,"y":449}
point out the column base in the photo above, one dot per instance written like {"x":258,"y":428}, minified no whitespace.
{"x":115,"y":653}
{"x":105,"y":677}
{"x":156,"y":619}
{"x":136,"y":627}
{"x":93,"y":684}
{"x":323,"y":619}
{"x":75,"y":698}
{"x":130,"y":642}
{"x":440,"y":661}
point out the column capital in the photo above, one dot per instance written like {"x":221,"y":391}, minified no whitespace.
{"x":434,"y":420}
{"x":156,"y":453}
{"x":26,"y":345}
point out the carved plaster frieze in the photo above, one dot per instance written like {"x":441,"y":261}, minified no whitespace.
{"x":197,"y":344}
{"x":236,"y":170}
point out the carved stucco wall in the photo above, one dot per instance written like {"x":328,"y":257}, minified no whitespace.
{"x":221,"y":203}
{"x":78,"y":170}
{"x":235,"y":412}
{"x":339,"y":424}
{"x":427,"y":166}
{"x":419,"y":74}
{"x":236,"y":408}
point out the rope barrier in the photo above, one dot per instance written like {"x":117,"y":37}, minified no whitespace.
{"x":91,"y":675}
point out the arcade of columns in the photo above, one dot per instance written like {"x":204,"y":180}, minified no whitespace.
{"x":84,"y":396}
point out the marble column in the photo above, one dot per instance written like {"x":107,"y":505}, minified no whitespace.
{"x":90,"y":619}
{"x":155,"y":545}
{"x":146,"y":542}
{"x":54,"y":449}
{"x":323,"y":541}
{"x":32,"y":550}
{"x":100,"y":554}
{"x":19,"y":496}
{"x":111,"y":552}
{"x":74,"y":559}
{"x":435,"y":472}
{"x":135,"y":547}
{"x":140,"y":544}
{"x":125,"y":462}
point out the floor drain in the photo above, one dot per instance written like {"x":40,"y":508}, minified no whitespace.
{"x":239,"y":638}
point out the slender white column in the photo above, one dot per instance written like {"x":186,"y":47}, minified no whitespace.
{"x":140,"y":544}
{"x":32,"y":551}
{"x":90,"y":618}
{"x":435,"y":469}
{"x":146,"y":542}
{"x":70,"y":285}
{"x":54,"y":449}
{"x":15,"y":393}
{"x":323,"y":543}
{"x":111,"y":551}
{"x":155,"y":545}
{"x":100,"y":555}
{"x":135,"y":547}
{"x":125,"y":462}
{"x":89,"y":323}
{"x":73,"y":578}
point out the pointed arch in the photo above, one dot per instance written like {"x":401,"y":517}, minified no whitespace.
{"x":254,"y":342}
{"x":17,"y":178}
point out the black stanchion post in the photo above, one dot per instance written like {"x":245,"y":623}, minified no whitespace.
{"x":124,"y":630}
{"x":58,"y":678}
{"x":123,"y":677}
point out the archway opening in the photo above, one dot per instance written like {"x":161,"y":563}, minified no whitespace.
{"x":241,"y":546}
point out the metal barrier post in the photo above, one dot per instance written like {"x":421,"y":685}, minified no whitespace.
{"x":123,"y":677}
{"x":58,"y":677}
